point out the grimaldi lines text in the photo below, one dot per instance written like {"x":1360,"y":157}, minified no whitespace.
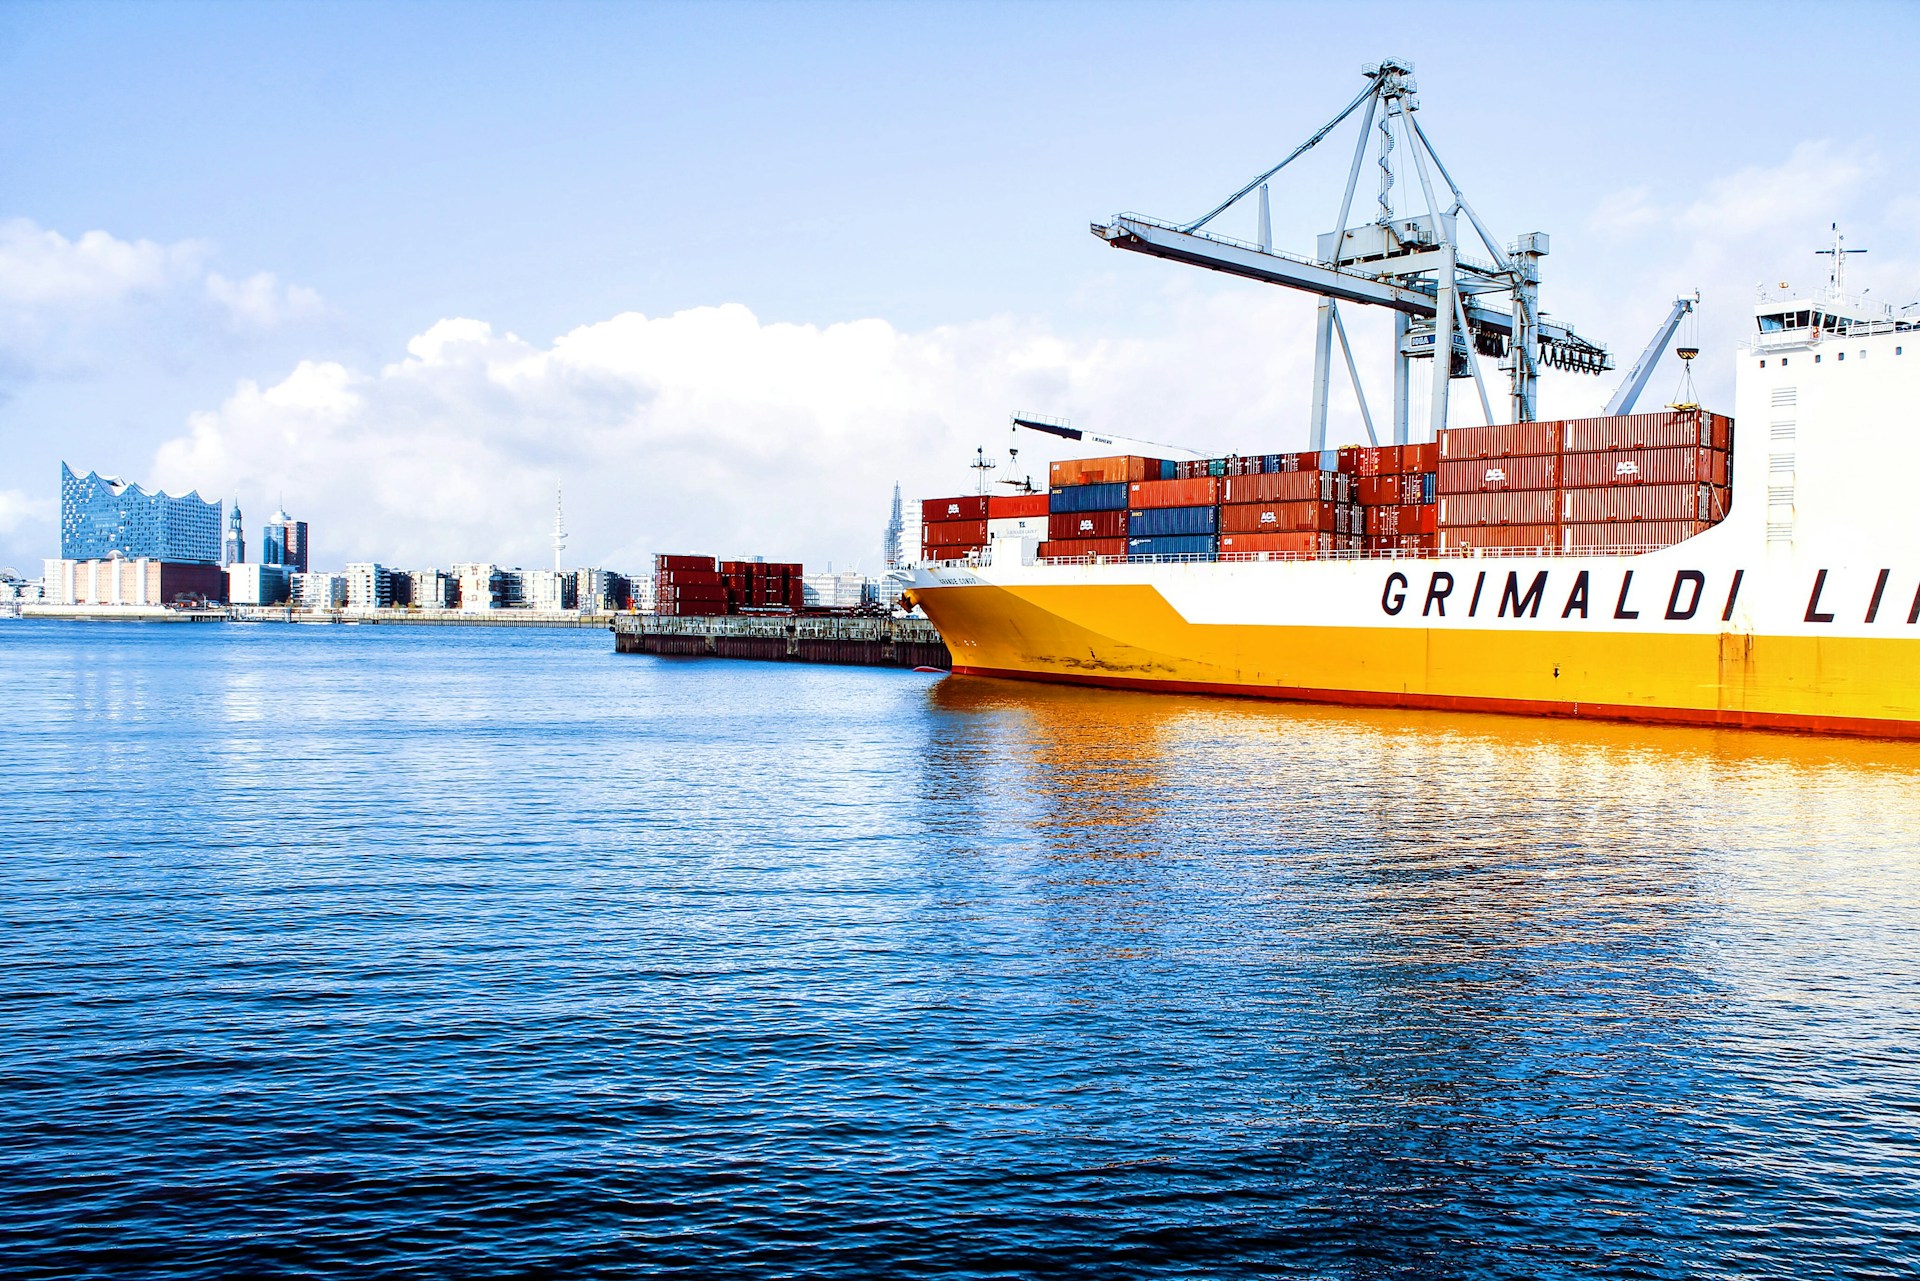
{"x":1788,"y":597}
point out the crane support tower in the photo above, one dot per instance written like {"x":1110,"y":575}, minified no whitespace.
{"x":1444,"y":298}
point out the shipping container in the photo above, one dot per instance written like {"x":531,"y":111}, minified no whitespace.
{"x":1630,"y":535}
{"x":1282,"y":487}
{"x":1280,"y":518}
{"x":1510,"y":537}
{"x":1669,"y":429}
{"x":1119,"y":469}
{"x":1004,"y":506}
{"x":1417,"y":487}
{"x":1191,"y":545}
{"x":1302,"y":544}
{"x":1376,"y":491}
{"x":1522,"y":507}
{"x":1393,"y":521}
{"x":965,"y":507}
{"x":1089,"y":498}
{"x":953,"y":532}
{"x":1688,"y":464}
{"x":1419,"y":458}
{"x":1199,"y":491}
{"x":1643,"y":502}
{"x":1072,"y":525}
{"x":1377,"y":460}
{"x":665,"y":562}
{"x":1491,"y":475}
{"x":1503,"y":440}
{"x":1155,"y":522}
{"x":1083,"y":547}
{"x":1038,"y":526}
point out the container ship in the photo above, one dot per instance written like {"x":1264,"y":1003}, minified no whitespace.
{"x":1758,"y":570}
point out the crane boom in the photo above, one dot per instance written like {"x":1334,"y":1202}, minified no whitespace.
{"x":1636,"y":380}
{"x":1060,"y":427}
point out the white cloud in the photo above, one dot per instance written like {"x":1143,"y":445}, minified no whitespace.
{"x":706,"y":429}
{"x":262,"y":301}
{"x":42,"y":270}
{"x":20,"y":511}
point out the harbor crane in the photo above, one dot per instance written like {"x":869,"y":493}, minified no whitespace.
{"x":1636,"y":381}
{"x":1442,"y":298}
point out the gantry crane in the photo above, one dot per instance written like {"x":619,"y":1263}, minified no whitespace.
{"x":1442,"y":298}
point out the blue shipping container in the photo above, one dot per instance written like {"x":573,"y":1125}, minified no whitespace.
{"x":1160,"y":521}
{"x":1176,"y":545}
{"x":1169,"y":470}
{"x":1088,"y":498}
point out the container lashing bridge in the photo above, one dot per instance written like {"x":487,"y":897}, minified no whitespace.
{"x":1442,"y":298}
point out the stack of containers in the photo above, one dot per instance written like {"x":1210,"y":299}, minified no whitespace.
{"x":953,"y":528}
{"x":758,"y":586}
{"x":1016,"y":514}
{"x":1303,"y":512}
{"x":1588,"y":484}
{"x":1643,"y":480}
{"x":1394,"y":487}
{"x":688,"y":585}
{"x":1087,"y":503}
{"x":1174,"y":517}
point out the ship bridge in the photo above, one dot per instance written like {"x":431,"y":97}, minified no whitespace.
{"x":1790,"y":319}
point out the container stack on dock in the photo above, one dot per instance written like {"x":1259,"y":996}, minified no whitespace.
{"x":702,"y":587}
{"x":1633,"y":482}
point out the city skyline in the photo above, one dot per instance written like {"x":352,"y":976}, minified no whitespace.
{"x":727,"y":302}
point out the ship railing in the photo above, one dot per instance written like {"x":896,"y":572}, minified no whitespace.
{"x":1349,"y":554}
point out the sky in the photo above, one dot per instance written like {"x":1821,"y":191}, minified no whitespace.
{"x":723,"y":273}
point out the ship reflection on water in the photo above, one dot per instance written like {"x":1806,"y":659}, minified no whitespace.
{"x":1522,"y":974}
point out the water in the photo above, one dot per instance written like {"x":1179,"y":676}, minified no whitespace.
{"x":481,"y":952}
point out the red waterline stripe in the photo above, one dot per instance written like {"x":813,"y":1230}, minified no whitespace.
{"x":1860,"y":726}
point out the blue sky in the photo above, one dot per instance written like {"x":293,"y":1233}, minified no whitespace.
{"x":318,"y":186}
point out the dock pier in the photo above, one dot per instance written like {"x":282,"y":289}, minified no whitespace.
{"x":856,"y":642}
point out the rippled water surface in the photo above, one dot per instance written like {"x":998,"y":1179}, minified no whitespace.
{"x":475,"y":952}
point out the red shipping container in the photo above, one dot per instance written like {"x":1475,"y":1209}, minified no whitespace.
{"x":1308,"y":544}
{"x":1384,"y":521}
{"x":952,"y":532}
{"x":1644,"y":502}
{"x":1503,"y":440}
{"x":1280,"y":518}
{"x":1491,"y":475}
{"x":1103,"y":471}
{"x":966,"y":507}
{"x":1511,"y":537}
{"x":1670,"y":429}
{"x":1199,"y":491}
{"x":1076,"y":547}
{"x":1377,"y":460}
{"x":1687,"y":464}
{"x":1282,"y":487}
{"x":1002,"y":506}
{"x":682,"y":562}
{"x":1521,"y":507}
{"x":1376,"y":491}
{"x":1419,"y":458}
{"x":1630,"y":535}
{"x":1070,"y":525}
{"x":1415,"y":489}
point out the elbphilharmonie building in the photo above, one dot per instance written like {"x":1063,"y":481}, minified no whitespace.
{"x":102,"y":517}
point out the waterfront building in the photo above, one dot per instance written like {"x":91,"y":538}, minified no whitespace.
{"x":431,"y":589}
{"x":481,"y":586}
{"x":257,"y":584}
{"x":103,"y":517}
{"x":369,"y":586}
{"x":320,"y":591}
{"x":119,"y":580}
{"x":641,"y":593}
{"x":848,"y":589}
{"x":548,"y":590}
{"x":284,"y":542}
{"x":235,"y":551}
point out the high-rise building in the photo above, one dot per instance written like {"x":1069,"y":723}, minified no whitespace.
{"x":369,"y":586}
{"x":895,"y":549}
{"x":235,"y":552}
{"x":284,"y":542}
{"x":103,"y":517}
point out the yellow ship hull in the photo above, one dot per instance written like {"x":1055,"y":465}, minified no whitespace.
{"x":1128,"y":634}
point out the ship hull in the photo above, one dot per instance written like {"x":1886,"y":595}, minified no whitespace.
{"x":1184,"y":628}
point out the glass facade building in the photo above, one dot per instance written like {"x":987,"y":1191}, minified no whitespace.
{"x":102,"y":517}
{"x":284,"y":542}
